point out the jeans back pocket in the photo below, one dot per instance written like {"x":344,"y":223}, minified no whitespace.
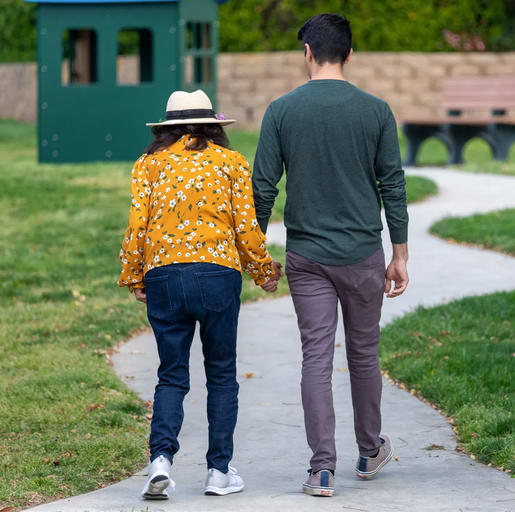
{"x":159,"y":304}
{"x":219,"y":289}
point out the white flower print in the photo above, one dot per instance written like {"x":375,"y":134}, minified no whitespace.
{"x":211,"y":236}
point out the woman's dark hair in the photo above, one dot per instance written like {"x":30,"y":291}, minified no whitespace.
{"x":201,"y":135}
{"x":329,"y":36}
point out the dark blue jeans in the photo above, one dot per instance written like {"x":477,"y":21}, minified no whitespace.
{"x":179,"y":296}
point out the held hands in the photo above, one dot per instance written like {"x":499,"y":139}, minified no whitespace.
{"x":271,"y":286}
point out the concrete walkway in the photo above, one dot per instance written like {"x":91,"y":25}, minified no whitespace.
{"x":271,"y":452}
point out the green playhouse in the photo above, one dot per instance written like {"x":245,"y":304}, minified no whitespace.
{"x":105,"y":67}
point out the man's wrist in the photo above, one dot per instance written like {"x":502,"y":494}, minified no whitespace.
{"x":400,"y":252}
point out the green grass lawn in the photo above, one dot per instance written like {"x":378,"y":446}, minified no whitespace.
{"x":495,"y":230}
{"x":68,"y":424}
{"x":419,"y":188}
{"x":460,"y":356}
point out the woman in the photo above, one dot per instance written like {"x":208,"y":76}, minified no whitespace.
{"x":192,"y":230}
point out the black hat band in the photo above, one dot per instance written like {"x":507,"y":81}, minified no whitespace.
{"x":198,"y":113}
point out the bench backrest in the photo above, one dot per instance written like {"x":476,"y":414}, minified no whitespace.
{"x":493,"y":94}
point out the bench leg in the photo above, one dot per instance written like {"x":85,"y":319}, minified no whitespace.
{"x":456,"y":151}
{"x":459,"y":135}
{"x":416,"y":134}
{"x":411,"y":154}
{"x":500,"y":137}
{"x":453,"y":151}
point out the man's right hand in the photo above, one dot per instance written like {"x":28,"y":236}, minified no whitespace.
{"x":397,"y":271}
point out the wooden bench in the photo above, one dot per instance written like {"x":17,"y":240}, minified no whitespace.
{"x":476,"y":107}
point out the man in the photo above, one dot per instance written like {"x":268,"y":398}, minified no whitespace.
{"x":339,"y":147}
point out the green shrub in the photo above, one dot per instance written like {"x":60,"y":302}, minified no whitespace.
{"x":390,"y":25}
{"x":271,"y":25}
{"x":17,"y":31}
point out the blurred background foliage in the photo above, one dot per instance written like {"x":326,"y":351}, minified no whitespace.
{"x":388,"y":25}
{"x":271,"y":25}
{"x":17,"y":31}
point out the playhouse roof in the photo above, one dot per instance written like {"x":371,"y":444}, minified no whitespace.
{"x":103,"y":1}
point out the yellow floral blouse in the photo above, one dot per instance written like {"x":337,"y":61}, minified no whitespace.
{"x":192,"y":207}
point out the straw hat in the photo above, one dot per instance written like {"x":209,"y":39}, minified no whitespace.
{"x":191,"y":108}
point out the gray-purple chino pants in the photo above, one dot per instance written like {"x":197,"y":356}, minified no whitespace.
{"x":316,"y":290}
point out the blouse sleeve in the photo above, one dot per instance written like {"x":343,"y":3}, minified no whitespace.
{"x":131,"y":253}
{"x":250,"y":240}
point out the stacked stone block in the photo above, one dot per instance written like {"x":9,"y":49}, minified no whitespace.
{"x":247,"y":82}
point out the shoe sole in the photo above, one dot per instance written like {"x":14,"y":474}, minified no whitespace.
{"x":326,"y":492}
{"x":368,"y":475}
{"x":222,"y":491}
{"x":156,"y":488}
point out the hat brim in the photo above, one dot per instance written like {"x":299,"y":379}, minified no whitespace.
{"x":206,"y":120}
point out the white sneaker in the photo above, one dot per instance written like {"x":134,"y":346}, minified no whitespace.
{"x":159,"y":480}
{"x":219,"y":484}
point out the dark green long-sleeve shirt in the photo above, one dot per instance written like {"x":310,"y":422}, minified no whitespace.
{"x":340,"y":150}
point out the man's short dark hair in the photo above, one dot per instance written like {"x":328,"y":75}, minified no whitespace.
{"x":329,"y":36}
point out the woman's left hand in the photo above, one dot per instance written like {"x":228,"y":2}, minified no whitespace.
{"x":140,"y":294}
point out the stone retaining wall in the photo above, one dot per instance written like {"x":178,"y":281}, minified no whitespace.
{"x":410,"y":82}
{"x":18,"y":91}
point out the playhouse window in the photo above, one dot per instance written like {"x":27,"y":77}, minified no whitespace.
{"x":198,"y":36}
{"x":79,"y":64}
{"x":199,"y":57}
{"x":134,"y":63}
